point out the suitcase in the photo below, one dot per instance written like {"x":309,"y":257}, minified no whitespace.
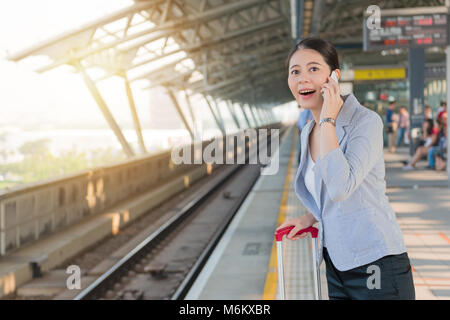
{"x":279,"y":238}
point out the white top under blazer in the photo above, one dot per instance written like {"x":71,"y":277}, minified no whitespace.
{"x":309,"y":179}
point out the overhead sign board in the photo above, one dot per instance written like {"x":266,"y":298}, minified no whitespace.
{"x":406,"y":28}
{"x":379,"y":74}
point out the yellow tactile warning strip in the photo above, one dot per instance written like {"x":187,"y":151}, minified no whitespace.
{"x":270,"y":287}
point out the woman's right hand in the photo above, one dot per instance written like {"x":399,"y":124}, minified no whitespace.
{"x":298,"y":223}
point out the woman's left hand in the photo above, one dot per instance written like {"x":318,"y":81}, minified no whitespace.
{"x":332,"y":102}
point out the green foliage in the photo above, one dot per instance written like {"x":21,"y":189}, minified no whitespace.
{"x":39,"y":164}
{"x":37,"y":147}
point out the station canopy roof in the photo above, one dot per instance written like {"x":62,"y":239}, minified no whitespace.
{"x":228,"y":49}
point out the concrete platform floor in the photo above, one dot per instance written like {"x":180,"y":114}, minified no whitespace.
{"x":421,"y":200}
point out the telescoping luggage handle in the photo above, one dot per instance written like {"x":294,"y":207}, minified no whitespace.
{"x":280,"y":233}
{"x":279,"y":237}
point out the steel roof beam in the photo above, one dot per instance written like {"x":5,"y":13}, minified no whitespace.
{"x":318,"y":10}
{"x":227,"y":37}
{"x":171,"y":26}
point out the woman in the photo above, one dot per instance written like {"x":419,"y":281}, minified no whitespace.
{"x":341,"y":182}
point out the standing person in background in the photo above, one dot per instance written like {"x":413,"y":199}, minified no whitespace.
{"x":441,"y":152}
{"x":403,"y":125}
{"x":442,"y":113}
{"x":441,"y":108}
{"x":304,"y":117}
{"x":428,"y":112}
{"x":441,"y":149}
{"x":391,"y":126}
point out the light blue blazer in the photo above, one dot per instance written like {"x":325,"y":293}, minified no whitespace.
{"x":357,"y":224}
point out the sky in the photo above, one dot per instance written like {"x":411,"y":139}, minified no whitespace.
{"x":59,"y":98}
{"x":60,"y":95}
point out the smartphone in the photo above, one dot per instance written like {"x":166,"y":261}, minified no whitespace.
{"x":334,"y":77}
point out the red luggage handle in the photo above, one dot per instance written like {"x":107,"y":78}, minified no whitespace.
{"x":280,"y":233}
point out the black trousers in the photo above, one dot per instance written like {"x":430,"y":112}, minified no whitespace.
{"x":388,"y":278}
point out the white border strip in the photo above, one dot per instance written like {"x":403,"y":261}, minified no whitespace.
{"x":203,"y":277}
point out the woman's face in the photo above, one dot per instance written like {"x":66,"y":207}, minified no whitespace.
{"x":308,"y":71}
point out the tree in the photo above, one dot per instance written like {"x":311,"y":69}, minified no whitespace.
{"x":37,"y":147}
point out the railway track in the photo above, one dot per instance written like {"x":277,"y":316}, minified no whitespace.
{"x":167,"y":262}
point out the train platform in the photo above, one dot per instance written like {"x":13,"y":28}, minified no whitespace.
{"x":93,"y":187}
{"x":421,"y":200}
{"x":244,"y":264}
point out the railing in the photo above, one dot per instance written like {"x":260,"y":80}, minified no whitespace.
{"x":30,"y":212}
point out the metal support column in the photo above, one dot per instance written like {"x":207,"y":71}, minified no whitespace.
{"x":252,"y":112}
{"x":245,"y":115}
{"x":191,"y":111}
{"x":262,"y":116}
{"x":233,"y":105}
{"x":318,"y":10}
{"x":272,"y":116}
{"x":266,"y":115}
{"x":258,"y":116}
{"x":137,"y":124}
{"x":416,"y":79}
{"x":105,"y":111}
{"x":230,"y":109}
{"x":180,"y":112}
{"x":255,"y":115}
{"x":250,"y":115}
{"x":222,"y":129}
{"x":219,"y":115}
{"x":296,"y":19}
